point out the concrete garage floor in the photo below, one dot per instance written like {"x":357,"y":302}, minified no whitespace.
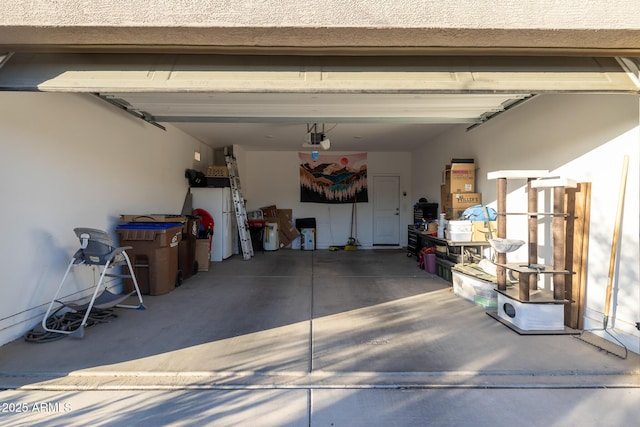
{"x":301,"y":338}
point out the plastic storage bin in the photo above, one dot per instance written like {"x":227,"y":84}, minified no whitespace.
{"x":154,"y":254}
{"x":458,"y":236}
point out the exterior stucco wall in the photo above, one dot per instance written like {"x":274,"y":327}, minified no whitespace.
{"x":571,"y":24}
{"x":506,"y":14}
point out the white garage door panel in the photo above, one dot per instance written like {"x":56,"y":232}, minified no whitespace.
{"x":460,"y":108}
{"x":216,"y":73}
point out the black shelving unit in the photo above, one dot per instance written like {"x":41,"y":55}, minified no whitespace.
{"x":415,"y":240}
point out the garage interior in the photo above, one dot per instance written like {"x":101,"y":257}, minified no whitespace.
{"x":385,"y":107}
{"x":91,"y":135}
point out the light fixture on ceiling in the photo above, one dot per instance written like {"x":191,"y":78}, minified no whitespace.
{"x":316,"y":138}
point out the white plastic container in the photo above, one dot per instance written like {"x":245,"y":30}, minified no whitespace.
{"x":530,"y":316}
{"x":270,"y":241}
{"x":460,"y":226}
{"x":308,"y":239}
{"x":458,"y":236}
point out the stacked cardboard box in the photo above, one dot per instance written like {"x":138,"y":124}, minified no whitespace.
{"x":287,"y":232}
{"x":481,"y":231}
{"x":458,"y":191}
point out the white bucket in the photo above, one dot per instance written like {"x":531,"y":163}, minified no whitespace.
{"x":270,"y":241}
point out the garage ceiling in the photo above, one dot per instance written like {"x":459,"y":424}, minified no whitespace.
{"x":266,"y":102}
{"x":279,"y":121}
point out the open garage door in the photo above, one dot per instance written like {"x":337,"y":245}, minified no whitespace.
{"x":232,"y":88}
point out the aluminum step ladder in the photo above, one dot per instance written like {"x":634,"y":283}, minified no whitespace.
{"x":240,"y":208}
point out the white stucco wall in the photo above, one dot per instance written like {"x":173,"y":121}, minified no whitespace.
{"x":548,"y":14}
{"x":69,"y":161}
{"x":574,"y":24}
{"x":583,"y":137}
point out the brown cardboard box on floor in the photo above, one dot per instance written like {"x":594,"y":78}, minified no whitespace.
{"x":203,"y":255}
{"x":286,"y":227}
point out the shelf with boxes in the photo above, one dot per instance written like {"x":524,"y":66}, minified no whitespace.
{"x":456,"y":248}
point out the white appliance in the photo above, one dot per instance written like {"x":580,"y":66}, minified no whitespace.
{"x":219,"y":203}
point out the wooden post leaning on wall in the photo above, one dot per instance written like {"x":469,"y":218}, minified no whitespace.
{"x":501,"y":272}
{"x":578,"y":209}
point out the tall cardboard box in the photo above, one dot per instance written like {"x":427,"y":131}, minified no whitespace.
{"x":287,"y":232}
{"x":460,"y":177}
{"x":444,"y":194}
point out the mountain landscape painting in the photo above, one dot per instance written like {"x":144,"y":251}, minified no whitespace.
{"x":332,"y":178}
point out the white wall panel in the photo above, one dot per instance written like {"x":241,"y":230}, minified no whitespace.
{"x":71,"y":160}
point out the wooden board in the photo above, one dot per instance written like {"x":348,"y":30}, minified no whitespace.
{"x":578,"y":202}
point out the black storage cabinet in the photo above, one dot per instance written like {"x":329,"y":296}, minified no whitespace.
{"x":415,"y":240}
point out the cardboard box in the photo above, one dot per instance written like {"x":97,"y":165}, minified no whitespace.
{"x":481,"y":232}
{"x":284,"y":241}
{"x":152,"y":218}
{"x":460,"y":177}
{"x":286,"y":230}
{"x":285,"y":214}
{"x":270,"y":211}
{"x":456,"y":203}
{"x":203,"y":255}
{"x":463,"y":200}
{"x":444,"y":192}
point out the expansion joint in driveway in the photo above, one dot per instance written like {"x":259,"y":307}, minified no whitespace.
{"x":88,"y":380}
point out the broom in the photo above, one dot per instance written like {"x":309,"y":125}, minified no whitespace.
{"x":353,"y":240}
{"x":612,"y":264}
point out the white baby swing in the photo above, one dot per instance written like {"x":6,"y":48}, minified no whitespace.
{"x":96,"y":249}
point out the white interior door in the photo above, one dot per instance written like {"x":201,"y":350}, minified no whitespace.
{"x":386,"y":210}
